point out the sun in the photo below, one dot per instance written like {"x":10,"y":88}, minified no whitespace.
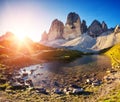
{"x":21,"y":35}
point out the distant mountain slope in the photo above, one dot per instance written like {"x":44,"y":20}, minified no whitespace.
{"x":82,"y":43}
{"x":106,"y":40}
{"x":87,"y":43}
{"x":54,"y":43}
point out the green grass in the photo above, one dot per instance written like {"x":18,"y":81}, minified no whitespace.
{"x":60,"y":54}
{"x":113,"y":96}
{"x":114,"y":54}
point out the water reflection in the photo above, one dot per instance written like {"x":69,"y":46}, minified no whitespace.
{"x":44,"y":74}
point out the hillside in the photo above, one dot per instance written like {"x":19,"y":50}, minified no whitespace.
{"x":114,"y":54}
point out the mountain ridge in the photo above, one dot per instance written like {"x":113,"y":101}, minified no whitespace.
{"x":76,"y":35}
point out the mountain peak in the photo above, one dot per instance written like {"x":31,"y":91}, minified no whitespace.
{"x":72,"y":18}
{"x":56,"y":30}
{"x":104,"y":26}
{"x":83,"y":27}
{"x":96,"y":28}
{"x":117,"y":29}
{"x":72,"y":27}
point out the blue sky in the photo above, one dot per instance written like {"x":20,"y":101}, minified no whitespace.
{"x":32,"y":17}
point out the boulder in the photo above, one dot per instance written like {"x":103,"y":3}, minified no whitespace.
{"x":17,"y":86}
{"x":41,"y":90}
{"x":72,"y":27}
{"x":29,"y":82}
{"x":58,"y":91}
{"x":56,"y":30}
{"x":96,"y":83}
{"x":77,"y":90}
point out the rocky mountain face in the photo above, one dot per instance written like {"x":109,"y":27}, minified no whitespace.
{"x":96,"y":28}
{"x":83,"y":27}
{"x":117,"y":29}
{"x":104,"y":26}
{"x":56,"y":30}
{"x":72,"y":27}
{"x":71,"y":30}
{"x":76,"y":35}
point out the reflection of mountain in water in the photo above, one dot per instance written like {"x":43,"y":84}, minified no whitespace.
{"x":60,"y":70}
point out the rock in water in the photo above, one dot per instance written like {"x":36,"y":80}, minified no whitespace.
{"x":95,"y":29}
{"x":56,"y":30}
{"x":72,"y":27}
{"x":83,"y":27}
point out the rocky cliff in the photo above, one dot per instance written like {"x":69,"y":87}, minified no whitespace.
{"x":56,"y":30}
{"x":83,"y":27}
{"x":72,"y":27}
{"x":96,"y":28}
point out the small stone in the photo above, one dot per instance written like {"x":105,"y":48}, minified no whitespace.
{"x":56,"y":84}
{"x":74,"y":86}
{"x":58,"y":91}
{"x":96,"y":83}
{"x":88,"y":81}
{"x":24,"y":74}
{"x":77,"y":90}
{"x":29,"y":83}
{"x":68,"y":92}
{"x":41,"y":90}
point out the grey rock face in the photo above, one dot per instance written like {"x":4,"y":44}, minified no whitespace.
{"x":104,"y":26}
{"x":72,"y":27}
{"x":56,"y":30}
{"x":83,"y":27}
{"x":95,"y":29}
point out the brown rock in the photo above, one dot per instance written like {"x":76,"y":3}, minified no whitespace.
{"x":72,"y":27}
{"x":56,"y":30}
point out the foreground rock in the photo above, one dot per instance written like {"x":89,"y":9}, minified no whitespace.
{"x":41,"y":90}
{"x":93,"y":82}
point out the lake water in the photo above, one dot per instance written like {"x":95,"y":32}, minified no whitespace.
{"x":65,"y":73}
